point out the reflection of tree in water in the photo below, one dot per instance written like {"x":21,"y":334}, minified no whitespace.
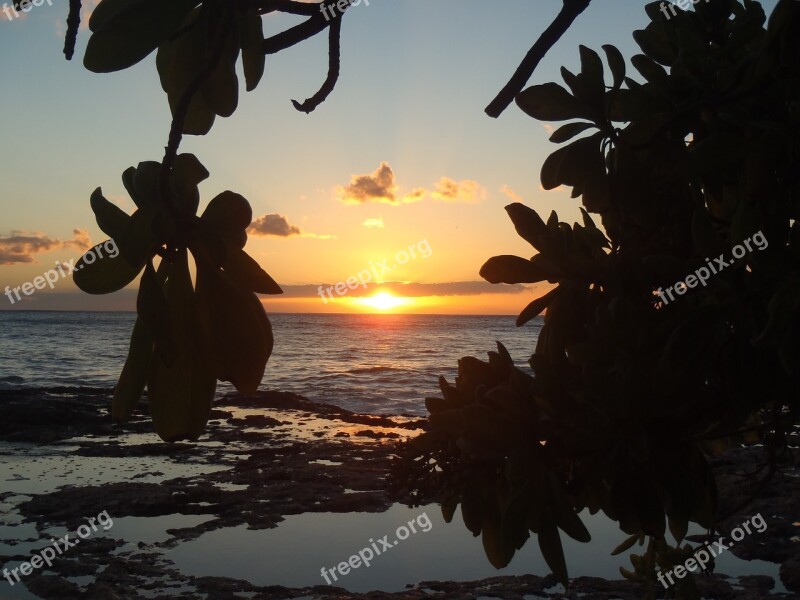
{"x":629,"y":397}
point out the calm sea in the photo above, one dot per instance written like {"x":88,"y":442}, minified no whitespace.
{"x":366,"y":363}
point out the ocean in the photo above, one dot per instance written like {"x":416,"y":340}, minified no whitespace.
{"x":376,"y":363}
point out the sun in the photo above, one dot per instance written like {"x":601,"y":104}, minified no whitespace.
{"x":383,"y":301}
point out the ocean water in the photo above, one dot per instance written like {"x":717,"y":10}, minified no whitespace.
{"x":385,"y":364}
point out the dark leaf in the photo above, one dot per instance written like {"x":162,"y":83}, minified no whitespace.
{"x":512,"y":269}
{"x":111,"y":219}
{"x":128,"y":30}
{"x":100,"y":273}
{"x":550,"y":102}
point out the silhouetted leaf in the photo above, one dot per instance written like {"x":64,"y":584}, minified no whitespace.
{"x":228,"y":211}
{"x":186,"y":174}
{"x":550,"y":102}
{"x":95,"y":275}
{"x":553,"y":552}
{"x":511,"y":269}
{"x":247,"y":274}
{"x":236,"y":332}
{"x":181,"y":393}
{"x":151,"y":304}
{"x":616,"y":63}
{"x":180,"y":61}
{"x":110,"y":218}
{"x":529,"y":225}
{"x":592,"y":69}
{"x":536,"y":307}
{"x":128,"y":30}
{"x":252,"y":36}
{"x":133,"y":378}
{"x":626,"y":545}
{"x":569,"y":131}
{"x":221,"y":89}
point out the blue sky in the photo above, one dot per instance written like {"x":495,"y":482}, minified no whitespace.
{"x":416,"y":76}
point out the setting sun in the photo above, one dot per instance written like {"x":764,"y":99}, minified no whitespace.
{"x":383,"y":301}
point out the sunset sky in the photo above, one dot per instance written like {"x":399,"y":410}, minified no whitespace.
{"x":401,"y":154}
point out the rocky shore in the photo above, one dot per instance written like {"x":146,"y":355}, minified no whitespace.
{"x":263,"y":458}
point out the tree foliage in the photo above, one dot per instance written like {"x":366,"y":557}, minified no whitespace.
{"x":630,"y":396}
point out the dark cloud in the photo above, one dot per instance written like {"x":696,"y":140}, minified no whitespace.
{"x":273,"y":224}
{"x":412,"y":290}
{"x":21,"y":246}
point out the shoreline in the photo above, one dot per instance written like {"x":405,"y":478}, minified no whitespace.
{"x":265,"y":457}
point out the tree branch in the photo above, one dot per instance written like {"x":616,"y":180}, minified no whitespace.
{"x":73,"y":24}
{"x":285,"y":6}
{"x":308,"y":29}
{"x":334,"y":66}
{"x":563,"y":21}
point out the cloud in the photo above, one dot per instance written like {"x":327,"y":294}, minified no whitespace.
{"x":373,"y":223}
{"x":413,"y":290}
{"x":21,"y":246}
{"x":467,"y":191}
{"x":416,"y":195}
{"x":273,"y":224}
{"x":278,"y":225}
{"x":379,"y":186}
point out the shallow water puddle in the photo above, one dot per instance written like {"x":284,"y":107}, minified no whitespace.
{"x":294,"y":553}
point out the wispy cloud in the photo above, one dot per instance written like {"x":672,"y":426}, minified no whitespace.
{"x":414,"y":290}
{"x":511,"y":194}
{"x":373,"y":223}
{"x":467,"y":191}
{"x":22,"y":246}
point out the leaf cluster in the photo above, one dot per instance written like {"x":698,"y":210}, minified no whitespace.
{"x":630,"y":396}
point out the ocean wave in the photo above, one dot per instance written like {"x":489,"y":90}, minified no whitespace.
{"x":65,"y":390}
{"x":368,"y":370}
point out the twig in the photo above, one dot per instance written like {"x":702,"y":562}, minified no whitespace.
{"x":563,"y":21}
{"x":285,"y":6}
{"x":73,"y":24}
{"x":334,"y":64}
{"x":305,"y":30}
